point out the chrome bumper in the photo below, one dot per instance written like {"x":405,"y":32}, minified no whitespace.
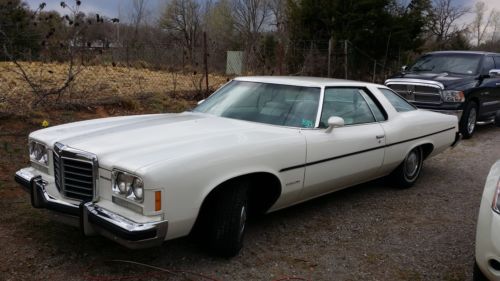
{"x":93,"y":219}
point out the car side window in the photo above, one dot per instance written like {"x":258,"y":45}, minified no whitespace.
{"x":399,"y":103}
{"x":347,"y":103}
{"x":488,"y":64}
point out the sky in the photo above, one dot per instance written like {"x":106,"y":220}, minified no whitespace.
{"x":121,"y":8}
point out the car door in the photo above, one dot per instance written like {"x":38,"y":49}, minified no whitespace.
{"x":489,"y":94}
{"x":347,"y":155}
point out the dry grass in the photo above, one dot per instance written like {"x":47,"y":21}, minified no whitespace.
{"x":96,"y":83}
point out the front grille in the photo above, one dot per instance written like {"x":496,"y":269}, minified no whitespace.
{"x":74,"y":177}
{"x":418,"y":93}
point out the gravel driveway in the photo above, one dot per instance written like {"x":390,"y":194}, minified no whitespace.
{"x":369,"y":232}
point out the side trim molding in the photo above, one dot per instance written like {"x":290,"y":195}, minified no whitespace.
{"x":361,"y":151}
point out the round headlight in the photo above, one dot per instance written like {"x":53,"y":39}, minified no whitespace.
{"x":123,"y":183}
{"x":138,"y":189}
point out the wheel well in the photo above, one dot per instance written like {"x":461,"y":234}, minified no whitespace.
{"x":427,"y":149}
{"x":265,"y":189}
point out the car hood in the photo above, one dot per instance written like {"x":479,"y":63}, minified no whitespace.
{"x":455,"y":82}
{"x":133,"y":142}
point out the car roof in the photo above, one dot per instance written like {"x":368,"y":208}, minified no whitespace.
{"x":464,"y":52}
{"x":303,"y":81}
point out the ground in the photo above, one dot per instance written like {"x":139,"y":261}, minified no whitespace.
{"x":368,"y":232}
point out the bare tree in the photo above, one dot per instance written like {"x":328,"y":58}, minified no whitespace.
{"x":443,"y":18}
{"x":183,"y":19}
{"x":481,"y":23}
{"x":250,"y":16}
{"x":76,"y":24}
{"x":495,"y":22}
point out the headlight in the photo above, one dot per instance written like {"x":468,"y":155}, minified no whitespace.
{"x":38,"y":153}
{"x":495,"y":205}
{"x":453,"y":96}
{"x":129,"y":186}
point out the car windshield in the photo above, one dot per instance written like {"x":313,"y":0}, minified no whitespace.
{"x":275,"y":104}
{"x":463,"y":64}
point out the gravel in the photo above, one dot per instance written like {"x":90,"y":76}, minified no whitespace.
{"x":368,"y":232}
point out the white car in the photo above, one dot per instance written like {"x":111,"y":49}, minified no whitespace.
{"x":487,"y":266}
{"x":257,"y":145}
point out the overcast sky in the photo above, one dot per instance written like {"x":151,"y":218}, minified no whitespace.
{"x":109,"y":8}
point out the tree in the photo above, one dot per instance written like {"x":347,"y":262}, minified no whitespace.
{"x":183,"y":19}
{"x":18,"y":32}
{"x":481,"y":23}
{"x":443,"y":18}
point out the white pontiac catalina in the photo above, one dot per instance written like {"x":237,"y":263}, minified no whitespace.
{"x":259,"y":144}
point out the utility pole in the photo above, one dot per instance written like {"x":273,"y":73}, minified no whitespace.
{"x":330,"y":46}
{"x":345,"y":57}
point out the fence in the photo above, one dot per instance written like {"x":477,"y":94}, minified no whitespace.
{"x":134,"y":68}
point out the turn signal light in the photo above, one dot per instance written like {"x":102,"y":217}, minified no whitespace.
{"x":157,"y":200}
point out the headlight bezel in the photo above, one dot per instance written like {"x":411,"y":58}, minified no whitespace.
{"x":496,"y":202}
{"x":453,"y":96}
{"x":127,"y":185}
{"x":38,"y":153}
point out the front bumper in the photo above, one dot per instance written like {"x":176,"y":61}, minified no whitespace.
{"x":92,"y":218}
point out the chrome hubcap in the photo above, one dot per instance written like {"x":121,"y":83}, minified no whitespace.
{"x":243,"y":219}
{"x":471,"y":122}
{"x":411,"y":164}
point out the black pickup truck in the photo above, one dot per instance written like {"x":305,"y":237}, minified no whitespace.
{"x":463,"y":83}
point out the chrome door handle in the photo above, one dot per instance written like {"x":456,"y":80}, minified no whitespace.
{"x":380,"y":137}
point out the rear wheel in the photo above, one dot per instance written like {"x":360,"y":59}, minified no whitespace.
{"x":226,"y":225}
{"x":407,"y":173}
{"x":468,"y":121}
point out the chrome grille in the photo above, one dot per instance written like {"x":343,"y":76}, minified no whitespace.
{"x":418,"y":93}
{"x":74,"y":174}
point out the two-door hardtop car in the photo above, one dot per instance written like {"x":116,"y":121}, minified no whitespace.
{"x":258,"y":144}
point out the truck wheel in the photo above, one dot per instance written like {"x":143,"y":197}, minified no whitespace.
{"x":407,"y":173}
{"x":226,"y":228}
{"x":497,"y":119}
{"x":468,"y":121}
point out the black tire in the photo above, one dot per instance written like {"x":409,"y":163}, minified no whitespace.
{"x":407,"y":173}
{"x":468,"y":120}
{"x":226,"y":224}
{"x":497,"y":119}
{"x":477,"y":275}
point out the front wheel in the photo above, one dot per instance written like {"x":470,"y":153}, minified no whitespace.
{"x":468,"y":121}
{"x":407,"y":173}
{"x":228,"y":219}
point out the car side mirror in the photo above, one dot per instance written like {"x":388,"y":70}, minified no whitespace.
{"x":494,"y":73}
{"x":201,"y":101}
{"x":404,"y":68}
{"x":334,"y":122}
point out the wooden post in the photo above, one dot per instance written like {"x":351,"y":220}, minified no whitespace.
{"x":374,"y":70}
{"x":205,"y":61}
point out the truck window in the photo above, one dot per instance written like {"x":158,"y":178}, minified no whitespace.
{"x":488,"y":64}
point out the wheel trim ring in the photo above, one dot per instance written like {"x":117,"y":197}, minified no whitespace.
{"x":243,"y":219}
{"x":412,"y":165}
{"x":471,"y":122}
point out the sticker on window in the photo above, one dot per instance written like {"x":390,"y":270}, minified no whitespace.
{"x":307,"y":123}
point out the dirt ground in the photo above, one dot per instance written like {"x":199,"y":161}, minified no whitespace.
{"x":368,"y":232}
